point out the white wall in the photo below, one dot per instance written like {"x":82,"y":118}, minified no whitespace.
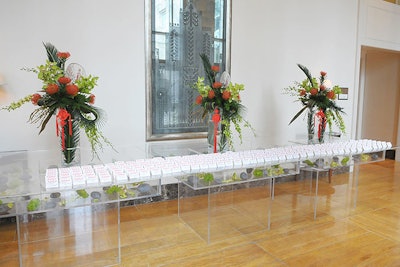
{"x":378,"y":27}
{"x":270,"y":37}
{"x":107,"y":38}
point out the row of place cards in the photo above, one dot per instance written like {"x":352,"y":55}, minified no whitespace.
{"x":121,"y":172}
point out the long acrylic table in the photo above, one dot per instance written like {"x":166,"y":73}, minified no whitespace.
{"x":206,"y":216}
{"x":70,"y":224}
{"x":328,"y":164}
{"x":60,"y":217}
{"x":224,"y":199}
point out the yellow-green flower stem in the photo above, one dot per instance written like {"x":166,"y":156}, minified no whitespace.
{"x":49,"y":73}
{"x":86,"y":84}
{"x":18,"y":104}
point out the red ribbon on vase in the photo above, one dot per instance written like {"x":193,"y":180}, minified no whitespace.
{"x":321,"y":121}
{"x":216,"y":118}
{"x":62,"y":116}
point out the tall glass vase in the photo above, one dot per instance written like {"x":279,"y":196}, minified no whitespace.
{"x":321,"y":117}
{"x":310,"y":125}
{"x":316,"y":126}
{"x":217,"y":140}
{"x":69,"y":139}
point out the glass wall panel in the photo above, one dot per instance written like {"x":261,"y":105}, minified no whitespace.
{"x":180,"y":30}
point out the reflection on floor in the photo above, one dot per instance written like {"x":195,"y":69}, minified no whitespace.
{"x":343,"y":234}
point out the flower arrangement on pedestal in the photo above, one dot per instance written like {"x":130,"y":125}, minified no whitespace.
{"x":221,"y":100}
{"x":318,"y":98}
{"x":67,"y":94}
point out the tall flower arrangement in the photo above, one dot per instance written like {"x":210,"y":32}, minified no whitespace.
{"x":224,"y":96}
{"x":317,"y":95}
{"x":66,"y":94}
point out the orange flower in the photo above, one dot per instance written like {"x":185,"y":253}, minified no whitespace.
{"x":72,"y":89}
{"x":331,"y":95}
{"x":314,"y":91}
{"x":35,"y":98}
{"x":63,"y":55}
{"x":92,"y":98}
{"x":217,"y":85}
{"x":215,"y":68}
{"x":226,"y":95}
{"x":323,"y":73}
{"x":199,"y":99}
{"x":211,"y":94}
{"x":64,"y":80}
{"x":303,"y":92}
{"x":51,"y":89}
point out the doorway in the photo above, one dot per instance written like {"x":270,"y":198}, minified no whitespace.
{"x":380,"y":101}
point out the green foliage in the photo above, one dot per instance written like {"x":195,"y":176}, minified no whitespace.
{"x":207,"y":177}
{"x":49,"y":73}
{"x":121,"y":191}
{"x":344,"y":161}
{"x":275,"y":170}
{"x":10,"y":205}
{"x":114,"y":189}
{"x":33,"y":204}
{"x":235,"y":177}
{"x":309,"y":162}
{"x":258,"y":173}
{"x":82,"y":193}
{"x":365,"y":157}
{"x":18,"y":104}
{"x":86,"y":84}
{"x":334,"y":164}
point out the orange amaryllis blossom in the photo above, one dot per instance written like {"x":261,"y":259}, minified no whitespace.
{"x":199,"y":99}
{"x":217,"y":85}
{"x":64,"y":80}
{"x":63,"y":55}
{"x":215,"y":68}
{"x":331,"y":95}
{"x":314,"y":91}
{"x":72,"y":89}
{"x":52,"y":88}
{"x":226,"y":95}
{"x":92,"y":99}
{"x":35,"y":98}
{"x":211,"y":94}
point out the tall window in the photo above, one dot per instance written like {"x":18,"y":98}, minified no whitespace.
{"x":178,"y":32}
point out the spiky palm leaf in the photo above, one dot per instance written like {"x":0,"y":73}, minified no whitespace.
{"x":51,"y":52}
{"x":298,"y":114}
{"x":306,"y":72}
{"x":207,"y":68}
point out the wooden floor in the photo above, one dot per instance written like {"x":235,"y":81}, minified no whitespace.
{"x":345,"y":233}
